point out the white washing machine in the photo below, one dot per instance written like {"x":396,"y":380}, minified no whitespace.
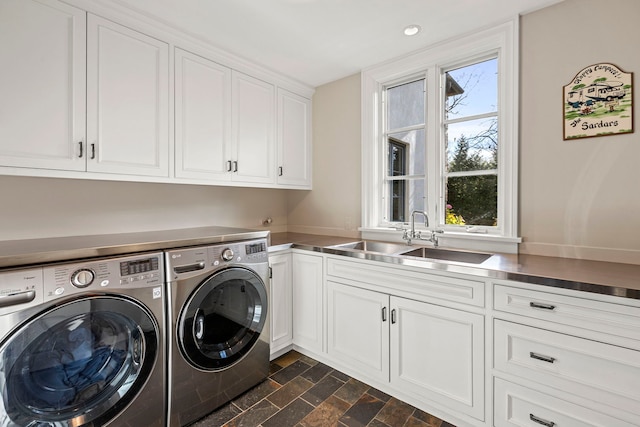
{"x":83,"y":344}
{"x":219,"y":330}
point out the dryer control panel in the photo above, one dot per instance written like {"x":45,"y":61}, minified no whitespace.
{"x":103,"y":275}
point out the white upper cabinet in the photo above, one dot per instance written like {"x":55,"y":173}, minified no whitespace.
{"x":294,"y":140}
{"x":42,"y":85}
{"x":253,"y":122}
{"x":127,"y":100}
{"x":202,"y":118}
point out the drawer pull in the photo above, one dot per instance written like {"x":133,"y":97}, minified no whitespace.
{"x":541,"y":357}
{"x":384,"y":314}
{"x":543,"y":306}
{"x":541,"y":421}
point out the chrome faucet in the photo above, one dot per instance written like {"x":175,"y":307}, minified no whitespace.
{"x":411,"y":234}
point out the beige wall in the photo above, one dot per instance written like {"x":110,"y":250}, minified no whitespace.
{"x":577,"y":198}
{"x":333,"y":207}
{"x":42,"y":207}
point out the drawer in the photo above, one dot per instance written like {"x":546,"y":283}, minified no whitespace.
{"x":601,"y":372}
{"x":518,"y":406}
{"x":409,"y":281}
{"x":617,"y":319}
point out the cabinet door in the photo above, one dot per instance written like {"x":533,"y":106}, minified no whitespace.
{"x":253,"y":117}
{"x":294,"y":140}
{"x":307,"y":301}
{"x":358,"y":329}
{"x":280,"y":302}
{"x":438,"y":353}
{"x":127,"y":100}
{"x":202,"y":117}
{"x":42,"y":85}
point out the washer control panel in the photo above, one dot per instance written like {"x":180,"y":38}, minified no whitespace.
{"x":137,"y":271}
{"x":192,"y":261}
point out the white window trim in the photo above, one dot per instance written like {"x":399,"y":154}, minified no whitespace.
{"x":502,"y":39}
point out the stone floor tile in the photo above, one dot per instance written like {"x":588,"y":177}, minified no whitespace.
{"x":351,"y":391}
{"x":322,"y":390}
{"x":414,"y":422}
{"x":288,"y":358}
{"x":378,"y":394}
{"x":219,"y":417}
{"x":290,"y":415}
{"x":362,"y":412}
{"x":254,"y":416}
{"x":340,"y":375}
{"x":377,"y":423}
{"x":395,"y":412}
{"x":256,"y":394}
{"x":429,"y":419}
{"x":290,"y":372}
{"x":290,"y":391}
{"x":317,"y":372}
{"x":326,"y":414}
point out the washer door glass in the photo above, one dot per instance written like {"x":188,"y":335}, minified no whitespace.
{"x":78,"y":363}
{"x":223,"y":319}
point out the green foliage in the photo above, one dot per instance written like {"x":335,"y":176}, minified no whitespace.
{"x":473,"y":199}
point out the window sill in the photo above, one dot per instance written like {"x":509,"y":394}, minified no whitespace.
{"x":452,"y":239}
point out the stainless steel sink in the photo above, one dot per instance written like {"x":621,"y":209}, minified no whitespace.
{"x":373,"y":246}
{"x":448,"y":255}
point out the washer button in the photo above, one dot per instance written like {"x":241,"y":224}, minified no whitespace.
{"x":59,"y":290}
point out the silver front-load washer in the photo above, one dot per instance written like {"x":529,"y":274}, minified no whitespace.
{"x":82,"y":344}
{"x":219,"y":330}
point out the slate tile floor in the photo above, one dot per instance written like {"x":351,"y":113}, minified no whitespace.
{"x":302,"y":392}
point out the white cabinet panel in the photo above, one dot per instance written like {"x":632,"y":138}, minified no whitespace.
{"x":280,"y":300}
{"x":127,"y":100}
{"x":358,"y":329}
{"x":517,"y":406}
{"x":307,"y":301}
{"x":294,"y":140}
{"x":602,"y":372}
{"x":253,"y":118}
{"x":202,"y":117}
{"x":42,"y":85}
{"x":438,"y":353}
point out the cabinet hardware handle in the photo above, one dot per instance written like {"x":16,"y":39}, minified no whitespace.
{"x":540,"y":305}
{"x":270,"y":273}
{"x":280,"y":171}
{"x":547,"y":359}
{"x":235,"y":166}
{"x":81,"y":150}
{"x":541,"y":421}
{"x":93,"y":151}
{"x":384,"y":314}
{"x":228,"y":165}
{"x":393,"y":316}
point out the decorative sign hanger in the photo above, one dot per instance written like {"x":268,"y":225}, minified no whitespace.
{"x":598,"y":102}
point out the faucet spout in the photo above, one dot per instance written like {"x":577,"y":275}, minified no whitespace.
{"x":408,"y":236}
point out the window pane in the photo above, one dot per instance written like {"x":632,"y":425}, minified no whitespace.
{"x":405,"y":105}
{"x":405,"y":197}
{"x":413,"y":150}
{"x":472,"y":200}
{"x":472,"y":145}
{"x":472,"y":90}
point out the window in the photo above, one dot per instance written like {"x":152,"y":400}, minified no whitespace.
{"x":440,"y":136}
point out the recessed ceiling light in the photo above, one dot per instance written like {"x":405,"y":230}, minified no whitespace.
{"x":412,"y":30}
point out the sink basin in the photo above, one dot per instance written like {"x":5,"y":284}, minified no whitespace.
{"x":448,"y":255}
{"x":373,"y":246}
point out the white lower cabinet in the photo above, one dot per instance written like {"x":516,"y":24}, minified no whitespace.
{"x":430,"y":351}
{"x":518,"y":406}
{"x":280,"y":300}
{"x":307,"y":301}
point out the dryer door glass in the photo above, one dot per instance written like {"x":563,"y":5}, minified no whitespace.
{"x":223,"y":318}
{"x":77,"y":363}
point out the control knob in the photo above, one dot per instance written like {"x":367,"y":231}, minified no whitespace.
{"x":227,"y":254}
{"x":82,"y":278}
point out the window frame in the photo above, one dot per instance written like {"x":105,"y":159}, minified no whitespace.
{"x":500,"y":41}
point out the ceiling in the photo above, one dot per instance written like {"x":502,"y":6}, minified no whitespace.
{"x":319,"y":41}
